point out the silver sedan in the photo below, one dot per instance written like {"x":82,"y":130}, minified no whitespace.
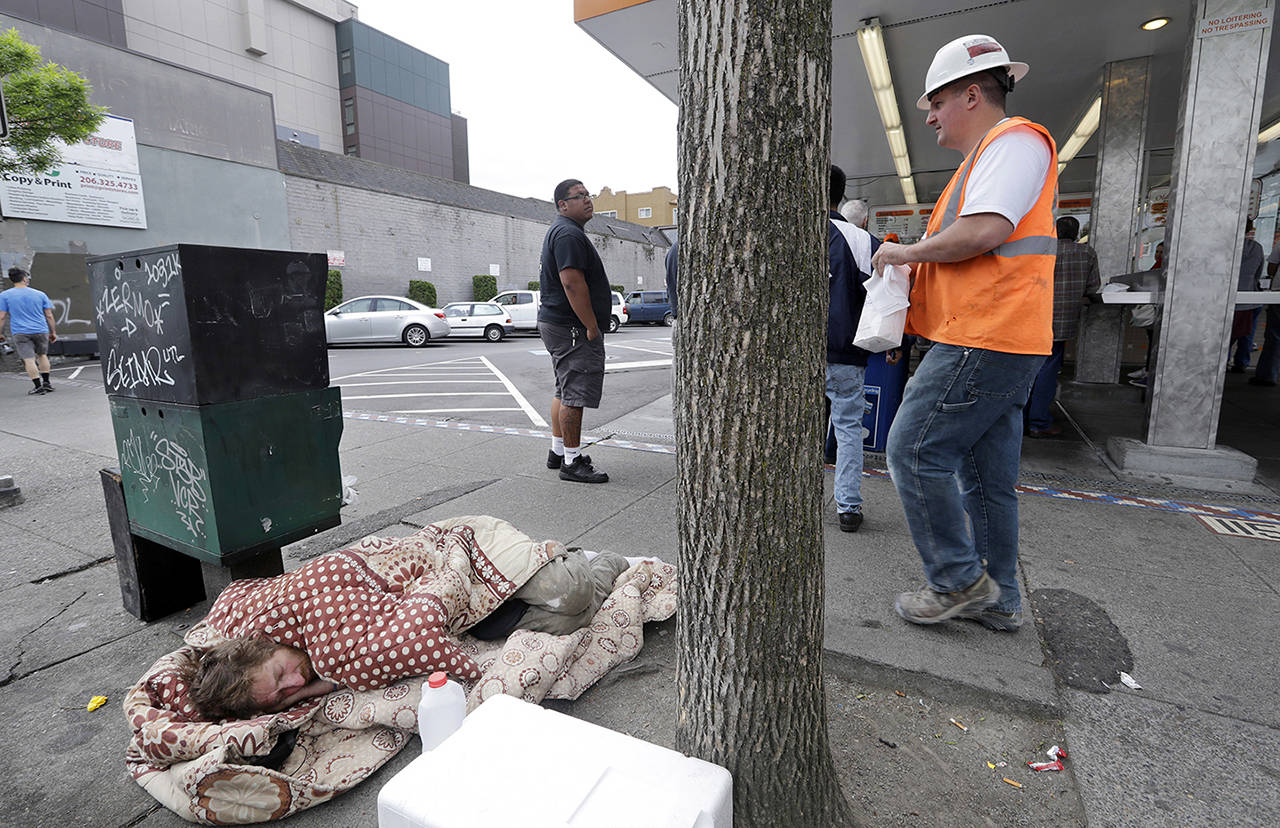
{"x":384,"y":319}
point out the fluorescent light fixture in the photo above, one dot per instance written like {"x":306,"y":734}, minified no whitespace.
{"x":871,"y":43}
{"x":1271,"y":133}
{"x":1155,"y":23}
{"x":1081,"y":134}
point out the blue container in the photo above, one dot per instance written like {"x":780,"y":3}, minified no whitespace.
{"x":884,"y":386}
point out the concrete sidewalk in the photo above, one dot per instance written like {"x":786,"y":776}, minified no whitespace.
{"x":1125,"y":582}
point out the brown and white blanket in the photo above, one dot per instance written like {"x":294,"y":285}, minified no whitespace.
{"x":404,"y":602}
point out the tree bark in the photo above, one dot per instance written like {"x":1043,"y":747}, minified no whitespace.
{"x":750,"y":362}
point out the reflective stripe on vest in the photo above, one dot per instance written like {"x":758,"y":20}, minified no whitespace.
{"x":1026,"y":246}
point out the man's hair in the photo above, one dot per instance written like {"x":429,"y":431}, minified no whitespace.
{"x":855,"y":211}
{"x":1068,"y":228}
{"x":994,"y":83}
{"x":221,"y":686}
{"x":1248,"y":225}
{"x":17,"y":274}
{"x":837,"y":186}
{"x":563,"y":188}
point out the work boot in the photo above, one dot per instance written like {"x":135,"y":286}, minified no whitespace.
{"x":994,"y":619}
{"x":850,"y":521}
{"x":554,"y":461}
{"x":581,"y":471}
{"x":927,"y":606}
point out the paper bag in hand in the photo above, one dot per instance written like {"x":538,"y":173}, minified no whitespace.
{"x":884,"y":312}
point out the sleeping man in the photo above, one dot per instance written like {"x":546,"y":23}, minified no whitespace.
{"x":366,"y":619}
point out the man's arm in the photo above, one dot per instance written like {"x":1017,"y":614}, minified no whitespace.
{"x":4,"y":317}
{"x":575,"y":289}
{"x":967,"y":237}
{"x":317,"y":687}
{"x":1093,"y":283}
{"x":53,"y":333}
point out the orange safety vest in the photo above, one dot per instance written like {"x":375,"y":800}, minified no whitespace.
{"x":1001,"y":300}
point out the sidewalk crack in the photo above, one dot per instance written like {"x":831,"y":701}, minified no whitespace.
{"x":22,"y":641}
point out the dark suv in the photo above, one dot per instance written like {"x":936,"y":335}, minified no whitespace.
{"x":649,"y":306}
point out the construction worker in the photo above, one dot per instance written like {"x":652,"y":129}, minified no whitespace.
{"x":983,"y":293}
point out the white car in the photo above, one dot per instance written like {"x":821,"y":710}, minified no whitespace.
{"x":486,"y":319}
{"x":620,"y":312}
{"x":522,"y":307}
{"x":384,"y":319}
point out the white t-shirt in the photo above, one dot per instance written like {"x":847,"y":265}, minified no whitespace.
{"x":1009,"y":175}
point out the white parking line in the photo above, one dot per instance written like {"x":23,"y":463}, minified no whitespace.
{"x":75,"y":373}
{"x":634,"y":348}
{"x":448,"y":363}
{"x":648,"y":363}
{"x":425,"y":382}
{"x":428,"y":394}
{"x":446,"y":410}
{"x":528,"y":409}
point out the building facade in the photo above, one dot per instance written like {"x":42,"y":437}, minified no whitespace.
{"x":655,"y":208}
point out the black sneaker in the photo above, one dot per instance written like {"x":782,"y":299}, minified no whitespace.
{"x":37,"y":391}
{"x":48,"y":389}
{"x":554,"y":461}
{"x":581,"y":471}
{"x":850,"y":521}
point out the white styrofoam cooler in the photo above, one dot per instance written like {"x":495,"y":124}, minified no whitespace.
{"x":515,"y":763}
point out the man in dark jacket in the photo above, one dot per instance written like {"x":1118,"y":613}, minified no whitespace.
{"x":849,"y":248}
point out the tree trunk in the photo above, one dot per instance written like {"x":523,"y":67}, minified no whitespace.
{"x":750,"y":361}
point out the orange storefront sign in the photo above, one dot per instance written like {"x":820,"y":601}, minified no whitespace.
{"x":586,"y":9}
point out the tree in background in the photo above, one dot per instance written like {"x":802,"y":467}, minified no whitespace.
{"x":483,"y":287}
{"x":422,"y":292}
{"x":755,"y":84}
{"x":333,"y":290}
{"x":46,"y":103}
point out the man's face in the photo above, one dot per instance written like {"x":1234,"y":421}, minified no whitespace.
{"x":947,"y":109}
{"x":577,"y":205}
{"x":285,"y":672}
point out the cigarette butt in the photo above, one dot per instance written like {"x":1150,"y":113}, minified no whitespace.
{"x":962,"y":727}
{"x":899,"y":693}
{"x":1011,"y":782}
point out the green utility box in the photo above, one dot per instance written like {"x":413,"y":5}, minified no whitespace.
{"x":225,"y":482}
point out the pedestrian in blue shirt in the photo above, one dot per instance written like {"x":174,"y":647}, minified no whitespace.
{"x":30,"y":316}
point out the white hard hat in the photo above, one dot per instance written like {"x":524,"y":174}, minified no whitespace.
{"x":965,"y":56}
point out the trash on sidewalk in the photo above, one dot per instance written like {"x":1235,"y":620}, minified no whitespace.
{"x":95,"y":703}
{"x":1011,"y":782}
{"x":887,"y":743}
{"x":962,"y":727}
{"x":899,"y":693}
{"x":1056,"y":755}
{"x":994,"y":765}
{"x":350,"y":497}
{"x":1128,"y":681}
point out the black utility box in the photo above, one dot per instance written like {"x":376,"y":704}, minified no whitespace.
{"x":199,"y":325}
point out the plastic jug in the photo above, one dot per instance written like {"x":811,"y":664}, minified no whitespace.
{"x":441,"y":710}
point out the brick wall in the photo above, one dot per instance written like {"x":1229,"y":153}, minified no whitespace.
{"x":384,"y":235}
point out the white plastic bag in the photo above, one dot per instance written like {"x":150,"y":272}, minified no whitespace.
{"x":884,"y":313}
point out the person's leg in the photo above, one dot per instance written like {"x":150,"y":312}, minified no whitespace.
{"x":1044,"y":390}
{"x":30,"y":365}
{"x":987,"y":480}
{"x":554,"y":340}
{"x":955,"y":398}
{"x":1269,"y":359}
{"x":25,"y":346}
{"x":555,"y":419}
{"x":582,"y":383}
{"x":570,"y":427}
{"x":847,"y":395}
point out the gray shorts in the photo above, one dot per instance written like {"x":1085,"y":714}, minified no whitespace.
{"x":578,"y":364}
{"x":29,"y":346}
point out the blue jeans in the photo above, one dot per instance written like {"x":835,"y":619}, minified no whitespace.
{"x":1045,"y":388}
{"x":953,"y":452}
{"x":848,"y":403}
{"x":1244,"y":344}
{"x":1269,"y":359}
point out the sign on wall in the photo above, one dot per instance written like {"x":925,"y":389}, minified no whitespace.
{"x":98,"y":182}
{"x":907,"y":221}
{"x":424,"y":264}
{"x":1232,"y":23}
{"x":337,"y":258}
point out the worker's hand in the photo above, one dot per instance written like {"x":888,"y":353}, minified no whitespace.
{"x":891,"y":254}
{"x":53,"y":336}
{"x":893,"y":356}
{"x":593,"y":333}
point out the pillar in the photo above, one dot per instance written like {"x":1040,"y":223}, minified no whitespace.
{"x":1117,"y":202}
{"x":1218,"y":114}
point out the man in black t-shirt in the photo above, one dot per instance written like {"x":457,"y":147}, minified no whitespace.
{"x":575,"y":310}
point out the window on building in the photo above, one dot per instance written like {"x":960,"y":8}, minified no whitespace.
{"x":646,"y":212}
{"x":349,"y":115}
{"x":609,"y":213}
{"x":344,"y":62}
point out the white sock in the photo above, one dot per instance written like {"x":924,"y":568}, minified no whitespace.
{"x":571,"y":454}
{"x":557,"y":445}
